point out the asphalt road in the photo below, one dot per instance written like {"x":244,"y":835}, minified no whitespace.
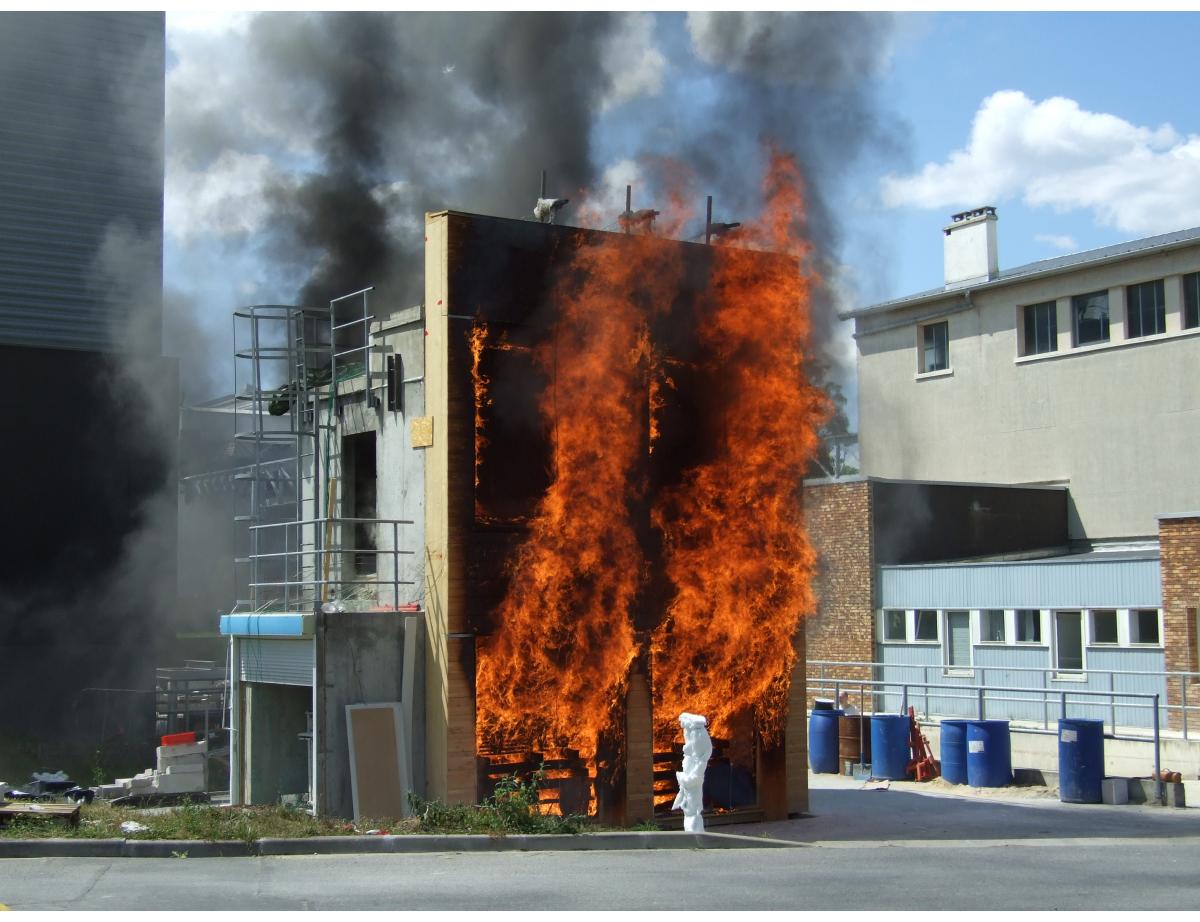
{"x":866,"y":850}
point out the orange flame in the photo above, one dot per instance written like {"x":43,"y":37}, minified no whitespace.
{"x":556,"y":670}
{"x":736,"y":551}
{"x":480,"y":382}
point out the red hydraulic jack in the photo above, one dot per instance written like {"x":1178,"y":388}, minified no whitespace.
{"x":924,"y":767}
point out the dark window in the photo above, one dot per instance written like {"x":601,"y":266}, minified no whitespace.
{"x":1041,"y":328}
{"x":993,"y":626}
{"x":935,"y":353}
{"x":1145,"y":625}
{"x":1029,"y":626}
{"x":1104,"y":626}
{"x":1146,"y":309}
{"x":1091,"y":317}
{"x":893,"y":625}
{"x":1068,"y":634}
{"x":1191,"y":300}
{"x":926,"y":625}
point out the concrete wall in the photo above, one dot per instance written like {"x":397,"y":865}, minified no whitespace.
{"x":360,"y":660}
{"x":1117,"y":421}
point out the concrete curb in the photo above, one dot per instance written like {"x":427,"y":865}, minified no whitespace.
{"x":378,"y":845}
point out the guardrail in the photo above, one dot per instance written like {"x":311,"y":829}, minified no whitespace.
{"x":1045,"y":688}
{"x":979,"y":696}
{"x":311,"y":566}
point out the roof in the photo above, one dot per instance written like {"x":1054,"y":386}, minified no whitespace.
{"x":1149,"y":553}
{"x":1116,"y":251}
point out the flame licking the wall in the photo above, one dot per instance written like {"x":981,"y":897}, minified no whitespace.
{"x":736,"y":552}
{"x":554,"y":673}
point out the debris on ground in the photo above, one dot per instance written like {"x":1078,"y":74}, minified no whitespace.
{"x":130,"y":827}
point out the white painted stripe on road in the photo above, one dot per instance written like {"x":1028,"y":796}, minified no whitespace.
{"x":1110,"y":841}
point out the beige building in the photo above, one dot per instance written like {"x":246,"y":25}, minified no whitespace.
{"x":1079,"y":370}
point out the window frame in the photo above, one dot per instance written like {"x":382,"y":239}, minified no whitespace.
{"x":923,"y":330}
{"x":903,"y":638}
{"x":1051,"y":309}
{"x":986,"y":619}
{"x":1078,"y":305}
{"x":1191,"y":300}
{"x":1157,"y":307}
{"x":1036,"y":621}
{"x":1061,"y":672}
{"x":952,"y":668}
{"x":937,"y":627}
{"x":1135,"y":627}
{"x":1093,"y":615}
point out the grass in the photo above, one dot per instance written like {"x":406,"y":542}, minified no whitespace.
{"x":512,"y":810}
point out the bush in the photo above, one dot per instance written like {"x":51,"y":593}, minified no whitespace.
{"x":512,"y":809}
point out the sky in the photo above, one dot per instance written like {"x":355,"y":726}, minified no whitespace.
{"x":1081,"y":128}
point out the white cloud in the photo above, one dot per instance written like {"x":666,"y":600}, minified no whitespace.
{"x":632,"y":61}
{"x":1063,"y":242}
{"x":1054,"y":153}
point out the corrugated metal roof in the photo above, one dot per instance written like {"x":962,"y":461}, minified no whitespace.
{"x":1050,"y":266}
{"x":1101,"y":579}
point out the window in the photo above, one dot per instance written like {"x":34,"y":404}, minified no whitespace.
{"x":1029,"y":625}
{"x":935,"y":346}
{"x":1104,"y":626}
{"x":1144,"y":625}
{"x":1145,"y":309}
{"x":926,"y":625}
{"x":1068,"y":641}
{"x":1191,"y":300}
{"x":958,"y":639}
{"x":1091,"y":318}
{"x":1041,"y":328}
{"x":992,"y":629}
{"x":893,"y":625}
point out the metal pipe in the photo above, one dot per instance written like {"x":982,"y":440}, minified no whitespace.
{"x":979,"y":706}
{"x":708,"y":221}
{"x":353,"y":294}
{"x":1158,"y":784}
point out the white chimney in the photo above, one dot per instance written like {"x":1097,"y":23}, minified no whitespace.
{"x":971,"y":247}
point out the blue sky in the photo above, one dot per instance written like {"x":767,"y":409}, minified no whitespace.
{"x":1080,"y":127}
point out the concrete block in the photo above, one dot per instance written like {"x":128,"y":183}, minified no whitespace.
{"x":112,"y":791}
{"x":167,"y":762}
{"x":178,"y":784}
{"x":1114,"y":790}
{"x":1141,"y":791}
{"x":186,"y":749}
{"x":183,"y":770}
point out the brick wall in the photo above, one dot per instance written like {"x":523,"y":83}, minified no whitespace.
{"x":838,"y":519}
{"x":1179,"y":550}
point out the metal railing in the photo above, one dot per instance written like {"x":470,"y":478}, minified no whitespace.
{"x":979,"y":697}
{"x":311,"y":567}
{"x":1048,"y":690}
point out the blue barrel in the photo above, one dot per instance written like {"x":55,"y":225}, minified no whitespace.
{"x":889,"y":746}
{"x":954,"y":751}
{"x":989,"y":754}
{"x":1080,"y":761}
{"x":823,"y":740}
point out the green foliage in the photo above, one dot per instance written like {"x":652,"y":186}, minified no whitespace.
{"x":512,"y":809}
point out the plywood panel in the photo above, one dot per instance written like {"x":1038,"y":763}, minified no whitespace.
{"x":377,"y":774}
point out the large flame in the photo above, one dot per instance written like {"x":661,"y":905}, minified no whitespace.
{"x":555,"y":672}
{"x":735,"y":547}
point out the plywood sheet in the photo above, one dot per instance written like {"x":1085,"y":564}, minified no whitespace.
{"x":422,"y":431}
{"x":378,"y":774}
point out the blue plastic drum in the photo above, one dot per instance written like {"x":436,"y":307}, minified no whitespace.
{"x":823,"y":740}
{"x":1080,"y":761}
{"x":989,"y":754}
{"x":889,"y":746}
{"x":954,"y":751}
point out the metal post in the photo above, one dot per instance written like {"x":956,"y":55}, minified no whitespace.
{"x":837,"y":693}
{"x":1063,"y":712}
{"x":1045,"y":700}
{"x":979,"y":703}
{"x":543,"y":192}
{"x":628,"y":212}
{"x":708,"y":222}
{"x":1183,"y":684}
{"x":1112,"y":704}
{"x":904,"y":700}
{"x":395,"y":566}
{"x":1158,"y":784}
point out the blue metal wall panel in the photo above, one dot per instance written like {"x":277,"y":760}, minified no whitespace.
{"x":1084,"y":584}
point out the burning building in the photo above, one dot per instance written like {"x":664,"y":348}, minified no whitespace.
{"x":590,"y":446}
